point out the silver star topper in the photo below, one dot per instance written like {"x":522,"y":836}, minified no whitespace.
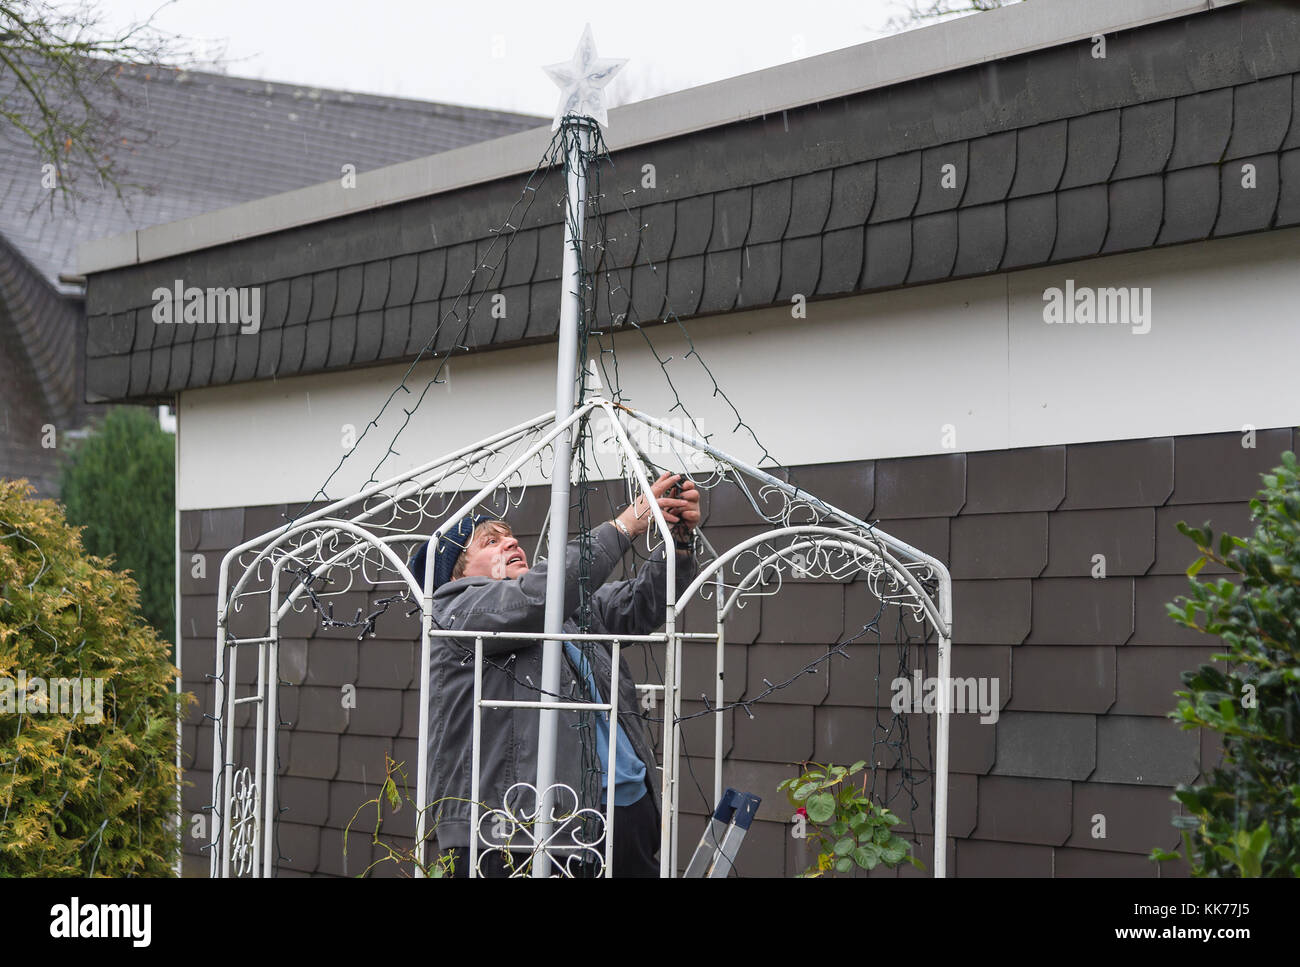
{"x":582,"y":81}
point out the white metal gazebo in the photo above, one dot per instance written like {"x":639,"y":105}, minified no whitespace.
{"x":366,"y":540}
{"x":362,"y":535}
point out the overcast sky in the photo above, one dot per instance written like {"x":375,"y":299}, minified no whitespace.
{"x":489,"y":54}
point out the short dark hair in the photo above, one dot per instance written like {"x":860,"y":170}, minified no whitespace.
{"x":487,"y":527}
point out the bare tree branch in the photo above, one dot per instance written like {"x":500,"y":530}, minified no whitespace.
{"x":918,"y":12}
{"x":59,"y":71}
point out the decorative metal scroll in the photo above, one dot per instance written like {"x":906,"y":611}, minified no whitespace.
{"x":244,"y":826}
{"x":573,"y":843}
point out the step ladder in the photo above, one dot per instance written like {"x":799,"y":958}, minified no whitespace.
{"x":721,"y":839}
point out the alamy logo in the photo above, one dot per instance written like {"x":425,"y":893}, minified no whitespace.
{"x":1085,"y":306}
{"x":40,"y":696}
{"x":74,"y":920}
{"x":917,"y":694}
{"x":651,"y":440}
{"x":212,"y":306}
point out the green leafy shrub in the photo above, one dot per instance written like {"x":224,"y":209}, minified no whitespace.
{"x":86,"y":789}
{"x":1246,"y":820}
{"x":846,"y":827}
{"x":119,"y":484}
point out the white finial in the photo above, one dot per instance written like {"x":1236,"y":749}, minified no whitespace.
{"x":582,"y":80}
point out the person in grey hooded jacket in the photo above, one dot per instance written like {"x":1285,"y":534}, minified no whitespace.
{"x":482,"y":582}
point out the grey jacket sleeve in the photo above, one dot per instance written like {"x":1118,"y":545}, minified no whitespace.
{"x":636,"y":606}
{"x":520,"y":604}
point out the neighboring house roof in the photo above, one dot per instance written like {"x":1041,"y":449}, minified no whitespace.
{"x":217,"y":140}
{"x":213,"y":141}
{"x":38,"y":326}
{"x":42,"y":339}
{"x":1058,"y":156}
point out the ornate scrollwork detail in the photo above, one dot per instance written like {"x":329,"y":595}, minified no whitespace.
{"x":244,"y":825}
{"x":510,"y":831}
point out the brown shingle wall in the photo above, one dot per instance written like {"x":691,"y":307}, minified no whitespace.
{"x":1087,"y":666}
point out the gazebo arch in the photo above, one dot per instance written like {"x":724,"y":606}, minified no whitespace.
{"x":359,"y":538}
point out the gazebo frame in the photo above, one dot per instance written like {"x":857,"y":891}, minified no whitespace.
{"x":362,"y":534}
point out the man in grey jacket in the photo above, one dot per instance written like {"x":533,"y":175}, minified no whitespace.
{"x":482,"y":582}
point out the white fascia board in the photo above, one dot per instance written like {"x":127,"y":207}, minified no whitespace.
{"x":943,"y":47}
{"x":107,"y":253}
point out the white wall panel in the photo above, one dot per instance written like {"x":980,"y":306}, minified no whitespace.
{"x":1221,"y":351}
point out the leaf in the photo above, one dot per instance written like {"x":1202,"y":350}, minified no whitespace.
{"x":1196,"y":566}
{"x":804,"y":791}
{"x":866,"y":858}
{"x":893,"y":854}
{"x":844,"y":846}
{"x":857,"y":766}
{"x":843,"y":864}
{"x":821,"y":807}
{"x":1257,"y":847}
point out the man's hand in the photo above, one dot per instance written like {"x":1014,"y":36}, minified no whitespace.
{"x":681,"y":508}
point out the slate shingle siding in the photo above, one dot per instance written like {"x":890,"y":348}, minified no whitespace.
{"x":1086,"y":666}
{"x":1055,"y":155}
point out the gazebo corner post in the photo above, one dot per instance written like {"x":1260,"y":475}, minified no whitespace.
{"x":228,"y":764}
{"x":611,"y":757}
{"x":422,"y":754}
{"x":219,"y":778}
{"x":941,"y":739}
{"x":476,"y":750}
{"x":270,"y":712}
{"x":672,"y":705}
{"x":719,"y":689}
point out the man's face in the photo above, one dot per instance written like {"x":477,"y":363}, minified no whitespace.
{"x":494,"y":553}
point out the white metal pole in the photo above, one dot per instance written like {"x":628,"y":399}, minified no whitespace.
{"x":576,"y":133}
{"x":611,"y":757}
{"x":259,"y":711}
{"x":675,"y":642}
{"x":474,"y":758}
{"x":941,"y":740}
{"x":672,"y":707}
{"x":228,"y":766}
{"x":719,"y":693}
{"x":272,"y":713}
{"x":220,"y":779}
{"x":426,"y":665}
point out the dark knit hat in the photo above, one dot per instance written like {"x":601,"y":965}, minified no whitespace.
{"x":449,"y":550}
